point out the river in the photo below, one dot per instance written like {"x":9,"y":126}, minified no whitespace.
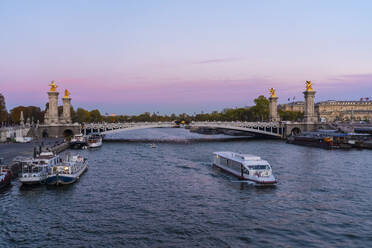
{"x":170,"y":196}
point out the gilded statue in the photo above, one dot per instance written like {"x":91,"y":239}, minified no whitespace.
{"x":67,"y":94}
{"x":272,"y":92}
{"x":53,"y":86}
{"x":309,"y":86}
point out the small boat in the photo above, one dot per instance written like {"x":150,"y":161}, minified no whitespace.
{"x":68,"y":172}
{"x":246,"y":167}
{"x":5,"y":176}
{"x":94,"y":140}
{"x":36,"y":170}
{"x":78,"y":141}
{"x":153,"y":145}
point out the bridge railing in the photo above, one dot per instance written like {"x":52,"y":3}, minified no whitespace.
{"x":245,"y":124}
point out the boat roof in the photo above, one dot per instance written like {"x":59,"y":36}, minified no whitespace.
{"x":242,"y":158}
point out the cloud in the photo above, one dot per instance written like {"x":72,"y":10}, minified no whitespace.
{"x":353,"y":77}
{"x":222,"y":60}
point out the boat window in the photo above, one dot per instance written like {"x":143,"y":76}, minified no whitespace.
{"x":258,"y":167}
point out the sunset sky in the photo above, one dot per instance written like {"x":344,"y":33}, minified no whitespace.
{"x":128,"y":57}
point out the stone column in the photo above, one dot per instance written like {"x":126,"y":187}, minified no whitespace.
{"x":273,"y":107}
{"x":309,"y":115}
{"x":66,"y":116}
{"x":22,"y":120}
{"x":53,"y":108}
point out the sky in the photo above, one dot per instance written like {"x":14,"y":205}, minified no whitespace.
{"x":135,"y":56}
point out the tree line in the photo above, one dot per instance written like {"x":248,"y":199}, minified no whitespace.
{"x":258,"y":112}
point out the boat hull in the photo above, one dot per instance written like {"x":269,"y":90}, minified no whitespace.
{"x":65,"y":179}
{"x":5,"y":181}
{"x":258,"y":181}
{"x":32,"y":180}
{"x":78,"y":144}
{"x":95,"y":145}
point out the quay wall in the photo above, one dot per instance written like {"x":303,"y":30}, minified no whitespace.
{"x":9,"y":133}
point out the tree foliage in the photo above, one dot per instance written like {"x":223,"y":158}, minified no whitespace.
{"x":3,"y":111}
{"x":30,"y":112}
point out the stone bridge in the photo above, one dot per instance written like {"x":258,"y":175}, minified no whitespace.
{"x":263,"y":129}
{"x":267,"y":129}
{"x":107,"y":128}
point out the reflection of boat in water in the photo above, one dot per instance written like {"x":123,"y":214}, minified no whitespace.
{"x":94,"y":140}
{"x":68,"y":172}
{"x":78,"y":141}
{"x":246,"y":167}
{"x":5,"y":176}
{"x":35,"y":171}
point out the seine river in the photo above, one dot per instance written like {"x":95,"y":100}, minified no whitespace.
{"x":170,"y":196}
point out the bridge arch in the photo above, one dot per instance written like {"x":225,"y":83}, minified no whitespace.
{"x":45,"y":134}
{"x":295,"y":131}
{"x":68,"y":133}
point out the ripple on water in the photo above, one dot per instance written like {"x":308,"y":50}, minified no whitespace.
{"x":136,"y":196}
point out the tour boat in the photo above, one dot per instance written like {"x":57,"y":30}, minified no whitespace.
{"x":78,"y":141}
{"x":36,"y":170}
{"x":246,"y":167}
{"x":68,"y":172}
{"x":5,"y":176}
{"x":94,"y":140}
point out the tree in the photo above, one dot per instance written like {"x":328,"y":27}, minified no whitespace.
{"x":95,"y":116}
{"x":261,"y":110}
{"x":30,"y":112}
{"x":290,"y":115}
{"x":82,"y":115}
{"x":3,"y":111}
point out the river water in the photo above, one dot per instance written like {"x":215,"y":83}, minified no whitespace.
{"x":170,"y":196}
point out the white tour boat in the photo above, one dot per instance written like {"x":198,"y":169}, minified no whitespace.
{"x":78,"y":141}
{"x":35,"y":170}
{"x":68,"y":172}
{"x":94,"y":140}
{"x":245,"y":167}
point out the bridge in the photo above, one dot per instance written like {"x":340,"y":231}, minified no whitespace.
{"x":266,"y":129}
{"x":109,"y":128}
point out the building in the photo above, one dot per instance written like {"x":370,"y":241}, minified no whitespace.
{"x":335,"y":110}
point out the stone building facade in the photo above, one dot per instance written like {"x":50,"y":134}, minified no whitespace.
{"x":335,"y":110}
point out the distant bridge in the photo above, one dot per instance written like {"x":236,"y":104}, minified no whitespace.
{"x":108,"y":128}
{"x":268,"y":129}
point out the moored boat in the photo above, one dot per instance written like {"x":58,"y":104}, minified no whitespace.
{"x":94,"y":140}
{"x":78,"y":141}
{"x":5,"y":176}
{"x":246,"y":167}
{"x":36,"y":170}
{"x":67,"y":172}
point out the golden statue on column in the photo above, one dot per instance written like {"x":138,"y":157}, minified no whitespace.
{"x":67,"y":94}
{"x":272,"y":92}
{"x":53,"y":86}
{"x":309,"y":86}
